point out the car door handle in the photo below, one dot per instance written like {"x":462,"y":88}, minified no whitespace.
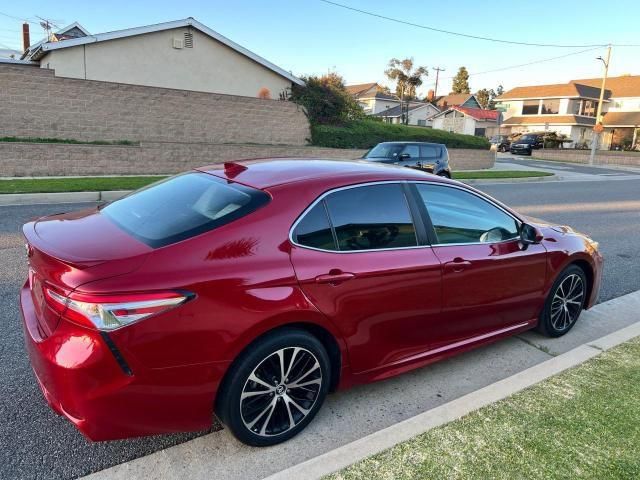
{"x":457,"y":265}
{"x":334,"y":278}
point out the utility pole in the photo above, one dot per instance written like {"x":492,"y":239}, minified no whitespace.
{"x":598,"y":128}
{"x":437,"y":70}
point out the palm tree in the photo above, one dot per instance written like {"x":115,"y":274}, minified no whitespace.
{"x":407,"y":80}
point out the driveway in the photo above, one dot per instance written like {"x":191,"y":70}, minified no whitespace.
{"x":37,"y":444}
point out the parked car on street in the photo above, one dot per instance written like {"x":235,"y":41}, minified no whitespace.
{"x":430,"y":157}
{"x":527,"y":143}
{"x":501,"y":143}
{"x":254,"y":290}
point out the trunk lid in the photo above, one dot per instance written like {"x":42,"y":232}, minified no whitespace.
{"x":68,"y":250}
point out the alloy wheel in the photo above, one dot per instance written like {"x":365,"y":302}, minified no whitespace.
{"x":567,"y":302}
{"x":281,"y":391}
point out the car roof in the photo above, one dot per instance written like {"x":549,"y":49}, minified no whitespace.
{"x":264,"y":173}
{"x":404,"y":142}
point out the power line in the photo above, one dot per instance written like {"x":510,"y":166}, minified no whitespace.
{"x":18,"y":18}
{"x":466,"y":35}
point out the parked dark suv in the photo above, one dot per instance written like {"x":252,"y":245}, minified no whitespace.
{"x":502,"y":142}
{"x":430,"y":157}
{"x":527,"y":143}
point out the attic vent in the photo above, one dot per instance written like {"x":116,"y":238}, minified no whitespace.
{"x":177,"y":43}
{"x":188,"y":40}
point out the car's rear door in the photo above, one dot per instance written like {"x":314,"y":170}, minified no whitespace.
{"x":360,"y":256}
{"x":490,"y":282}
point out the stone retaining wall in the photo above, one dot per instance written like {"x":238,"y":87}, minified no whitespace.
{"x":603,"y":157}
{"x":54,"y":159}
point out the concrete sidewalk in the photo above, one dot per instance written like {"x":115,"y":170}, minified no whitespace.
{"x":355,"y":414}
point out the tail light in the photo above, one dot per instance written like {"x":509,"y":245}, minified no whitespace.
{"x":110,"y":312}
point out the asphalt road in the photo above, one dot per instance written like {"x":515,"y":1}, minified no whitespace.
{"x":35,"y":443}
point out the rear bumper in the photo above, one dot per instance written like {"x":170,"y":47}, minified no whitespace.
{"x":82,"y":380}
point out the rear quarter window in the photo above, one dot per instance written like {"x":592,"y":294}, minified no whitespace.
{"x":181,"y":207}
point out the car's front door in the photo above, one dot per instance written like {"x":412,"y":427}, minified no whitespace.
{"x":410,"y":155}
{"x":490,"y":282}
{"x":360,"y":259}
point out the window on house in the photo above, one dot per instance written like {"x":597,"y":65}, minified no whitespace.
{"x":480,"y":132}
{"x":422,"y":123}
{"x":530,"y":107}
{"x":574,"y":107}
{"x":589,"y":108}
{"x":550,"y":107}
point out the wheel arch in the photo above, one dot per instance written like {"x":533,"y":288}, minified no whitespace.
{"x":321,"y":333}
{"x":587,"y":268}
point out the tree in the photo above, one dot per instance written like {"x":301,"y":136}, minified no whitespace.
{"x":407,"y":80}
{"x":325,"y":100}
{"x":484,"y":97}
{"x":487,"y":98}
{"x":461,"y":81}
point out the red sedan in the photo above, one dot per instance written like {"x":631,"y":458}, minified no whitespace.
{"x":253,"y":290}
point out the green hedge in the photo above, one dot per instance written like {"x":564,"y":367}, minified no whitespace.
{"x":368,"y":133}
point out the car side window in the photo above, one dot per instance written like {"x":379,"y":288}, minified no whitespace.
{"x":371,"y":217}
{"x":462,"y":217}
{"x":314,"y":229}
{"x":429,"y":151}
{"x":412,"y":150}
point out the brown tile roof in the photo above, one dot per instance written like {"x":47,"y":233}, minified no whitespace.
{"x":360,"y":88}
{"x":555,"y":90}
{"x":550,"y":119}
{"x":619,"y":119}
{"x":623,"y":86}
{"x":452,"y":100}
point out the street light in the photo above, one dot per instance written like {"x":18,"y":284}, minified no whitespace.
{"x":598,"y":127}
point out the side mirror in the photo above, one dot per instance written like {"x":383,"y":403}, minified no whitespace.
{"x":530,"y":234}
{"x":402,"y":156}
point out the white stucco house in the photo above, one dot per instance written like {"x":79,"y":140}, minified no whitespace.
{"x":570,"y":109}
{"x":419,"y":114}
{"x":468,"y":121}
{"x":374,"y":99}
{"x":182,"y":54}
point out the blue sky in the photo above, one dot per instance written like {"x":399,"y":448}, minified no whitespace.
{"x":311,"y":37}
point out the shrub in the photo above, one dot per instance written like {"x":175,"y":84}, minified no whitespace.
{"x":367,"y":134}
{"x":325,"y":100}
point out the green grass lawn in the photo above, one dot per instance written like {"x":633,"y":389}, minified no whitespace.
{"x":482,"y":174}
{"x":96,"y":184}
{"x":71,"y":184}
{"x":583,"y":423}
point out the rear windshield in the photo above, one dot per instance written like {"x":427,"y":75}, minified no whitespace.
{"x":385,"y":150}
{"x":181,"y":207}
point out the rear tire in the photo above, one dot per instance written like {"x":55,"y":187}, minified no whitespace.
{"x":564,"y":303}
{"x":275,"y":388}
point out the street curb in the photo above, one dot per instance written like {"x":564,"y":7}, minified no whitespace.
{"x":481,"y":181}
{"x":61,"y":197}
{"x":386,"y":438}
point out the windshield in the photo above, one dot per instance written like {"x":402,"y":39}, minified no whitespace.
{"x":528,"y":138}
{"x":385,"y":150}
{"x":181,"y":207}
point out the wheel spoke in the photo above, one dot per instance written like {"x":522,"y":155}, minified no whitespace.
{"x":261,"y":414}
{"x":317,"y":381}
{"x":280,"y":354}
{"x":291,"y":362}
{"x":315,"y":366}
{"x":295,"y":404}
{"x":257,"y":380}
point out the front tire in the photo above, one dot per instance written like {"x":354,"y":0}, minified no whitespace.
{"x":275,"y":388}
{"x":564,"y":303}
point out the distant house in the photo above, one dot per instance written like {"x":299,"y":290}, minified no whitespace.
{"x":467,"y":100}
{"x":469,"y":121}
{"x":419,"y":114}
{"x":570,"y":109}
{"x":182,"y":54}
{"x":372,"y":97}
